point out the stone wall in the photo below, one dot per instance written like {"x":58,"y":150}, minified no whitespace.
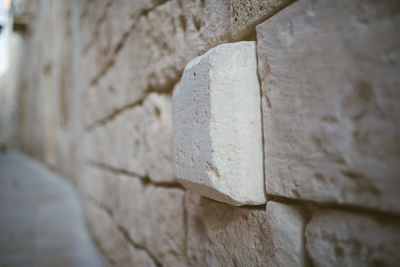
{"x":8,"y":95}
{"x":95,"y":104}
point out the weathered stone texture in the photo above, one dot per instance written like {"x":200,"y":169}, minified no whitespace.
{"x":118,"y":250}
{"x":246,"y":14}
{"x":336,"y":238}
{"x":104,"y":24}
{"x":217,"y":126}
{"x":138,"y":140}
{"x":329,"y":73}
{"x":222,"y":235}
{"x":151,"y":216}
{"x":153,"y":56}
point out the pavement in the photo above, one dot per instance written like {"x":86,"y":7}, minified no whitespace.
{"x":41,"y":217}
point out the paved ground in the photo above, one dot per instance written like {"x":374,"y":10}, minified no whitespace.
{"x":41,"y":221}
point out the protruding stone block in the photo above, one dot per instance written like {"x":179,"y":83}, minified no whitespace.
{"x":217,"y":126}
{"x":343,"y":239}
{"x":330,"y":80}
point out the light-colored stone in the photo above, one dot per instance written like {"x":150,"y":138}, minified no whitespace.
{"x":8,"y":93}
{"x":222,"y":235}
{"x":119,"y":142}
{"x":330,"y":98}
{"x":217,"y":126}
{"x":104,"y":25}
{"x":152,"y":217}
{"x":287,"y":230}
{"x":246,"y":14}
{"x":154,"y":56}
{"x":117,"y":248}
{"x":336,"y":238}
{"x":157,"y":138}
{"x":49,"y":114}
{"x":138,"y":140}
{"x":167,"y":223}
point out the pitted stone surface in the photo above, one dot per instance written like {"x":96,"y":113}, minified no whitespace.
{"x":336,"y":238}
{"x":330,"y":100}
{"x":217,"y":126}
{"x":246,"y":14}
{"x":222,"y":235}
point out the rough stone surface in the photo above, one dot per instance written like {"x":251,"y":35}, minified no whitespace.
{"x":138,"y":140}
{"x":217,"y":126}
{"x":154,"y":56}
{"x":343,"y":239}
{"x":246,"y":14}
{"x":330,"y":99}
{"x":222,"y":235}
{"x":111,"y":240}
{"x":287,"y":230}
{"x":152,"y":217}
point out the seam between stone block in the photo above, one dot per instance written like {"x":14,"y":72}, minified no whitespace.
{"x":145,"y":179}
{"x":137,"y":246}
{"x":99,"y":22}
{"x":354,"y":209}
{"x":119,"y":111}
{"x":124,"y":232}
{"x":121,"y":43}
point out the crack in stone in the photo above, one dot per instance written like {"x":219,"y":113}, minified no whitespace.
{"x":121,"y":43}
{"x":137,"y":246}
{"x":123,"y":231}
{"x":145,"y":179}
{"x":119,"y":111}
{"x":350,"y":208}
{"x":100,"y":205}
{"x":110,"y":63}
{"x":96,"y":32}
{"x":113,"y":115}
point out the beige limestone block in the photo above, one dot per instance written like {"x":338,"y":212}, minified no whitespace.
{"x":287,"y":229}
{"x":139,"y":140}
{"x":99,"y":186}
{"x":153,"y":217}
{"x":154,"y":52}
{"x":330,"y":100}
{"x":167,"y":224}
{"x":335,"y":238}
{"x":104,"y":27}
{"x":157,"y":138}
{"x":111,"y":241}
{"x":246,"y":14}
{"x":119,"y":143}
{"x":217,"y":126}
{"x":222,"y":235}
